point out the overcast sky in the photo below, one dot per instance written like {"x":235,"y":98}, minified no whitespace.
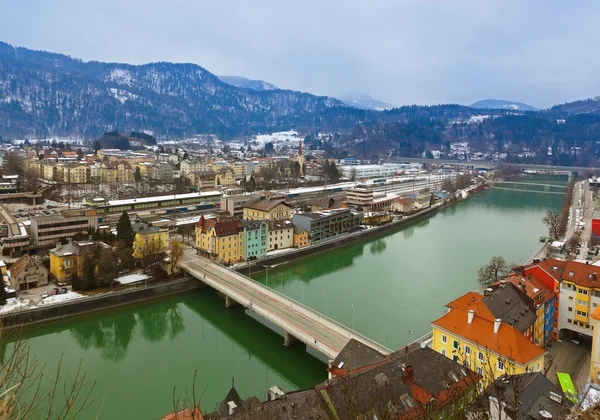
{"x":399,"y":51}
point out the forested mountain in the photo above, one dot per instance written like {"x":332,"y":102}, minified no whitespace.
{"x":502,"y":104}
{"x":43,"y":94}
{"x":586,"y":106}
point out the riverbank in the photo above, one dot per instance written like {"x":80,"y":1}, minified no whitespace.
{"x":105,"y":301}
{"x":294,"y":255}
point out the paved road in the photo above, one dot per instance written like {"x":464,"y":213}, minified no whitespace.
{"x":569,"y":358}
{"x":324,"y":335}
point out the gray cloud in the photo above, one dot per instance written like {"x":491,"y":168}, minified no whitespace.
{"x":401,"y":51}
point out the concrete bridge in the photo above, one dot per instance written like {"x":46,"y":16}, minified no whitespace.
{"x":298,"y":322}
{"x":519,"y":186}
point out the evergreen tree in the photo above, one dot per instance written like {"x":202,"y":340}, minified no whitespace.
{"x":137,"y":176}
{"x":125,"y":232}
{"x":89,"y":273}
{"x":251,"y":184}
{"x":79,"y":154}
{"x":97,"y":146}
{"x":2,"y":295}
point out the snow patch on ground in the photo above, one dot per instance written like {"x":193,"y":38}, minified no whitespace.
{"x":120,"y":76}
{"x":70,"y":295}
{"x":132,"y":278}
{"x":280,"y":137}
{"x":122,"y":95}
{"x":14,"y":304}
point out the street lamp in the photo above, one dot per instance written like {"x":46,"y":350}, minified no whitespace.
{"x":281,"y":281}
{"x":267,"y":276}
{"x":353,"y":317}
{"x":384,"y":331}
{"x":326,"y":304}
{"x":302,"y":287}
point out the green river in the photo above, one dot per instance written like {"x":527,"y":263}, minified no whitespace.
{"x":393,"y":287}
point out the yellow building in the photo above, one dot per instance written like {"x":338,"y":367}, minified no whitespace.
{"x":221,"y":239}
{"x":67,"y":260}
{"x":471,"y":335}
{"x":266,"y":209}
{"x":76,"y":174}
{"x":149,"y":240}
{"x":301,"y":238}
{"x":114,"y":171}
{"x":225,"y":178}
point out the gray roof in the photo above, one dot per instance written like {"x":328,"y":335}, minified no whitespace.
{"x":144,"y":228}
{"x":533,"y":393}
{"x":253,"y":224}
{"x":265,"y":204}
{"x":77,"y":247}
{"x":511,"y":306}
{"x":356,"y":355}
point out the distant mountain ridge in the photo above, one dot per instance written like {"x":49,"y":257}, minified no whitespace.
{"x":46,"y":94}
{"x":502,"y":104}
{"x":244,"y":83}
{"x":364,"y":101}
{"x":585,"y":106}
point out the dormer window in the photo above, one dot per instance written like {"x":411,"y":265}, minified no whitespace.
{"x":571,"y":274}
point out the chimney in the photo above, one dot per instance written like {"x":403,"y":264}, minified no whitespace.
{"x":497,"y":323}
{"x":593,"y":276}
{"x":488,"y":291}
{"x":502,"y":283}
{"x":407,"y":375}
{"x":58,"y":244}
{"x":471,"y":315}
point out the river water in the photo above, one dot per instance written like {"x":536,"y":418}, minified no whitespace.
{"x":390,"y":287}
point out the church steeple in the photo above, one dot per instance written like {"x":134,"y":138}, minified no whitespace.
{"x":300,"y":148}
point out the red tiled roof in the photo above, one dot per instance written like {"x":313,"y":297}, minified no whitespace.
{"x":581,"y":274}
{"x":25,"y":261}
{"x":532,"y":287}
{"x":508,"y":341}
{"x":552,"y":266}
{"x":474,"y":301}
{"x":222,"y":228}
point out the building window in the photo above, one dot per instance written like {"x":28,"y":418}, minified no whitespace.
{"x":480,"y":356}
{"x":444,"y":339}
{"x":570,"y":309}
{"x":455,"y":344}
{"x":443,"y":352}
{"x":479,"y":370}
{"x":455,"y":358}
{"x":500,"y":365}
{"x":467,"y":350}
{"x":538,"y":367}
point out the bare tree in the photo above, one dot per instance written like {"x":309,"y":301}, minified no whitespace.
{"x":495,"y":270}
{"x":176,"y":249}
{"x":553,"y":221}
{"x":23,"y":393}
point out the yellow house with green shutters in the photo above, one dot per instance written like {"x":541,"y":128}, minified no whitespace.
{"x":149,"y":239}
{"x":469,"y":334}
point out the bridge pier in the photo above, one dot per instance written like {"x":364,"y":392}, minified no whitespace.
{"x":230,"y":303}
{"x":289,"y":340}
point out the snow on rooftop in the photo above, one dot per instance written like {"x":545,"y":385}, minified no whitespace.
{"x":132,"y":278}
{"x":70,"y":295}
{"x":164,"y":198}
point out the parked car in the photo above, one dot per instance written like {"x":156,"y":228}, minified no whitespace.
{"x":63,"y":291}
{"x":45,"y":295}
{"x":54,"y":291}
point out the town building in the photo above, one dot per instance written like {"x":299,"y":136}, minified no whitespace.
{"x":484,"y":334}
{"x":266,"y":208}
{"x":221,"y":239}
{"x":28,"y":273}
{"x":281,"y":234}
{"x":327,"y":224}
{"x":325,"y":202}
{"x":549,"y":272}
{"x":402,"y":205}
{"x":234,"y":204}
{"x":372,"y":171}
{"x":116,"y":171}
{"x":203,"y":180}
{"x":360,"y":197}
{"x":149,"y":239}
{"x":225,"y":178}
{"x":579,"y":297}
{"x":256,"y":239}
{"x":301,"y":238}
{"x":18,"y":240}
{"x":66,"y":261}
{"x":47,"y":230}
{"x":160,"y":171}
{"x":523,"y":396}
{"x":420,"y":384}
{"x":543,"y":298}
{"x":595,"y":357}
{"x":201,"y":200}
{"x":189,"y":166}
